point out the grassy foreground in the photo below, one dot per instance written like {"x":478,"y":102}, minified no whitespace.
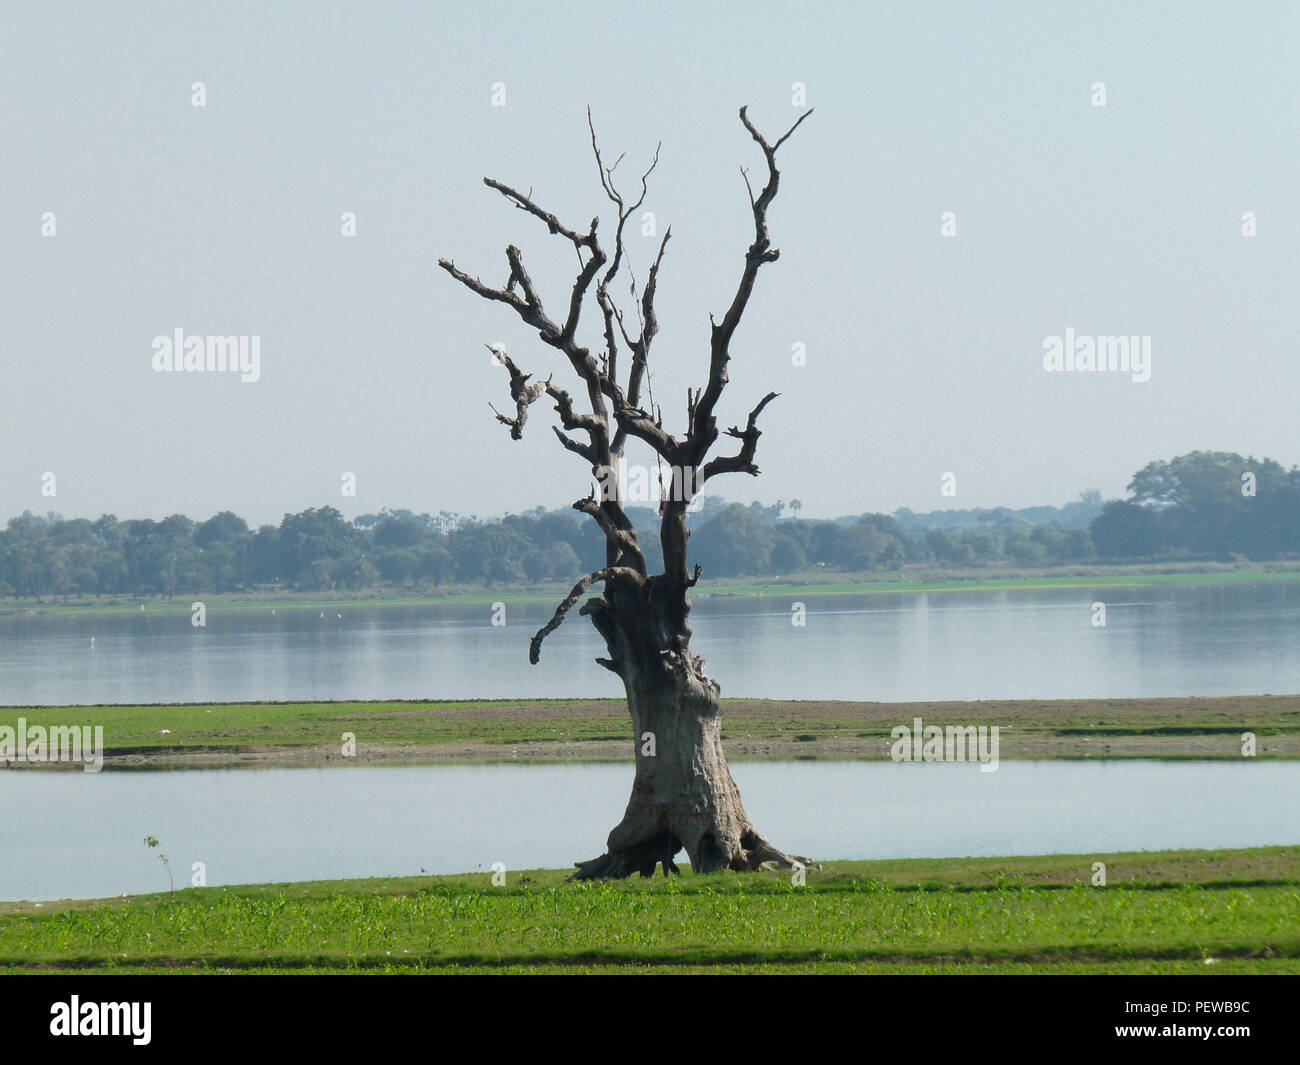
{"x":290,"y":734}
{"x":1234,"y":911}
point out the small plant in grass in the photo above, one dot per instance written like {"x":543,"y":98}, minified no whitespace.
{"x":152,"y":843}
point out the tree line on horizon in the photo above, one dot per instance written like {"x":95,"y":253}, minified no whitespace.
{"x":1201,"y":506}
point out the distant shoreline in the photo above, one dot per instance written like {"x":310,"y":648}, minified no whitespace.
{"x":814,"y":583}
{"x":445,"y":732}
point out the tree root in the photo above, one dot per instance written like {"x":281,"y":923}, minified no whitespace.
{"x":638,"y":858}
{"x":755,"y":853}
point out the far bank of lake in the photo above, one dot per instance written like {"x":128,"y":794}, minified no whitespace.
{"x":811,"y":582}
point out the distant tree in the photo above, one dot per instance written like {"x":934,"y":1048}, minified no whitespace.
{"x":399,"y":530}
{"x":1021,"y":547}
{"x":1204,"y":510}
{"x":436,"y":564}
{"x":864,"y":546}
{"x":788,"y":555}
{"x":398,"y":565}
{"x":492,"y":554}
{"x":220,"y":528}
{"x":1078,"y":546}
{"x":984,"y":546}
{"x":1125,"y":530}
{"x":552,"y":562}
{"x":312,"y":545}
{"x":734,"y":542}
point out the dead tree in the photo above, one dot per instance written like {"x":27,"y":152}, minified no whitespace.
{"x":683,"y":794}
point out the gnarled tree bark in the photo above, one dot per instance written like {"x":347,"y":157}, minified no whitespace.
{"x":683,"y":796}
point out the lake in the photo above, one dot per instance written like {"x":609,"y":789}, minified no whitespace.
{"x":80,"y":835}
{"x":1159,"y":640}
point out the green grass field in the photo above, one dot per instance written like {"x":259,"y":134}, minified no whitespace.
{"x":1234,"y":911}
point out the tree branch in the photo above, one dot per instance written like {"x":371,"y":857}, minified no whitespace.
{"x":529,"y":305}
{"x":639,"y":347}
{"x":521,"y":392}
{"x":576,"y":446}
{"x":624,"y":540}
{"x":615,"y":197}
{"x":608,"y":430}
{"x":486,"y":291}
{"x":525,"y":203}
{"x":632,"y":421}
{"x":760,"y":251}
{"x":609,"y":573}
{"x":743,"y":461}
{"x":602,"y":617}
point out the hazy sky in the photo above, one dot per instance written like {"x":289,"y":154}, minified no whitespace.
{"x":924,"y":351}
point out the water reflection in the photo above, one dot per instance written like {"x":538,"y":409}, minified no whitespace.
{"x":1163,"y":640}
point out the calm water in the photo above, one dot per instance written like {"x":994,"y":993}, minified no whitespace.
{"x":1167,"y":640}
{"x":80,"y":834}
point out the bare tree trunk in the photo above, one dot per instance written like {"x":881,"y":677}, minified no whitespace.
{"x":683,"y":795}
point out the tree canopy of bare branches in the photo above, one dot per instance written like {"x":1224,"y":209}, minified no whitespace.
{"x":683,"y":795}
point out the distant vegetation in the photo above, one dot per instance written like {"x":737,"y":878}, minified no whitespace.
{"x":1200,"y":506}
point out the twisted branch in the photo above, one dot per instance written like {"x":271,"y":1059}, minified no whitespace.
{"x":760,"y":252}
{"x":742,"y":461}
{"x":609,"y":573}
